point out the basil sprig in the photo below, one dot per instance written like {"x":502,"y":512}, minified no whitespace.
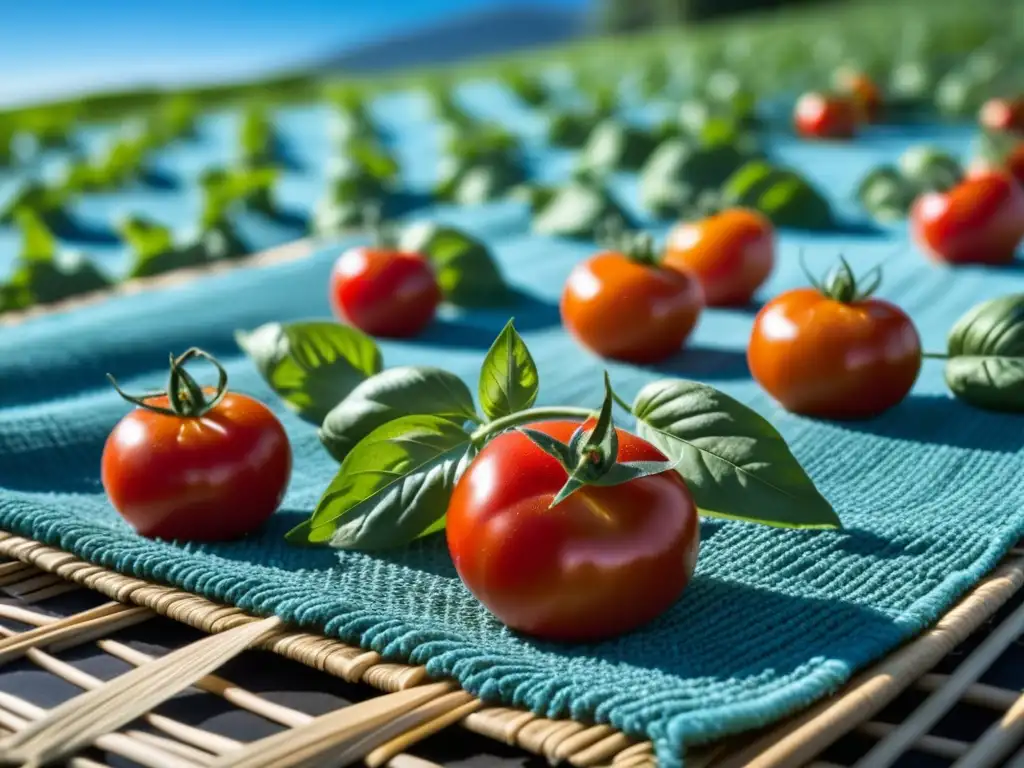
{"x":405,"y":435}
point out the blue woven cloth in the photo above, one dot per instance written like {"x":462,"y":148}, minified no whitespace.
{"x":930,"y":494}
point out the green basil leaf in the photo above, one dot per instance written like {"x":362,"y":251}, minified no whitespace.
{"x":536,"y":196}
{"x":928,"y":168}
{"x":33,"y":196}
{"x":678,"y":172}
{"x":256,"y":136}
{"x":579,"y":209}
{"x":370,"y":155}
{"x":958,"y":94}
{"x":734,"y":462}
{"x":43,"y":281}
{"x":486,"y":181}
{"x":694,"y":114}
{"x":37,"y":241}
{"x":665,"y":189}
{"x":335,"y":218}
{"x":986,"y":355}
{"x":792,"y":202}
{"x":991,"y":382}
{"x":570,"y":129}
{"x":508,"y":377}
{"x":219,"y":241}
{"x":311,"y":365}
{"x":145,"y":237}
{"x":154,"y":250}
{"x":466,"y":271}
{"x":993,"y":327}
{"x":392,"y":394}
{"x":616,"y":146}
{"x":886,"y":194}
{"x":394,"y":486}
{"x":746,"y":185}
{"x":529,"y":88}
{"x":910,"y":82}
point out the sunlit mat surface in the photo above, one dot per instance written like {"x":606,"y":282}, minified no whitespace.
{"x":930,"y":494}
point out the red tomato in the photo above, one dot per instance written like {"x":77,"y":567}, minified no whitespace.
{"x":384,"y":292}
{"x":208,"y":478}
{"x":979,"y":221}
{"x":1002,"y":115}
{"x":731,"y":253}
{"x":825,"y":116}
{"x":863,"y":90}
{"x":818,"y":356}
{"x":603,"y":561}
{"x":630,"y":310}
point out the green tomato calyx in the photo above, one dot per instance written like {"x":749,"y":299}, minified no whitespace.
{"x":185,"y":397}
{"x":589,"y":458}
{"x":612,"y":235}
{"x":841,"y":285}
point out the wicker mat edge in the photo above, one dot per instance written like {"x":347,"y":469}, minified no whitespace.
{"x":791,"y":743}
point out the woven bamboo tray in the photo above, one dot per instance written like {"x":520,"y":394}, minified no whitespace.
{"x":401,"y":707}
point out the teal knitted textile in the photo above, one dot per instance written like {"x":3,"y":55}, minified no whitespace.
{"x":930,"y":494}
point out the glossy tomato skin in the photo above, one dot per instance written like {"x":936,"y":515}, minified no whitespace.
{"x":602,"y":562}
{"x":210,"y":478}
{"x":825,"y":116}
{"x":821,"y":357}
{"x":1002,"y":115}
{"x":384,"y":292}
{"x":731,"y":253}
{"x":979,"y":221}
{"x":626,"y":310}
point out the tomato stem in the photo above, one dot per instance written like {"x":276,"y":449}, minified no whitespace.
{"x":184,"y":395}
{"x":527,"y":416}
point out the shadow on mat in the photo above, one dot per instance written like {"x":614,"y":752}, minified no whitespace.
{"x":701,"y":362}
{"x":69,"y":226}
{"x":479,"y":328}
{"x":159,"y":179}
{"x":942,"y":420}
{"x":761,"y":628}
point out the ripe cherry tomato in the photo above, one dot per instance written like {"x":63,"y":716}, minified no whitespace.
{"x":628,"y":308}
{"x":207,"y":469}
{"x":825,"y":116}
{"x":864,"y":92}
{"x":731,"y":253}
{"x":834,"y":352}
{"x":384,"y":292}
{"x":603,"y":561}
{"x":979,"y":221}
{"x":1002,"y":115}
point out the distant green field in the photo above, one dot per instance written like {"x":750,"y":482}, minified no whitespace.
{"x":864,"y":31}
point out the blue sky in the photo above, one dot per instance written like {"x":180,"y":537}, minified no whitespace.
{"x":50,"y":48}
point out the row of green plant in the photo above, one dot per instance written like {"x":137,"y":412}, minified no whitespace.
{"x":704,"y":156}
